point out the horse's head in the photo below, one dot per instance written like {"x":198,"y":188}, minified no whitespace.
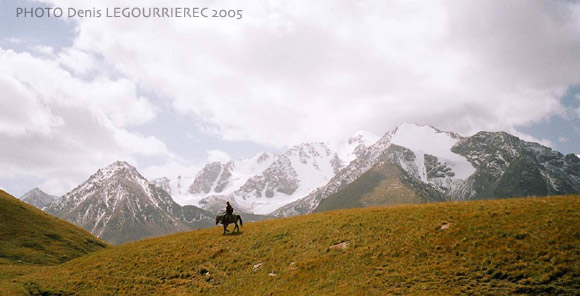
{"x":218,"y":219}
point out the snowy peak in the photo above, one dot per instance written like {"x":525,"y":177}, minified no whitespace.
{"x":263,"y":157}
{"x":308,"y":154}
{"x":425,"y":154}
{"x":417,"y":129}
{"x":287,"y":177}
{"x":438,"y":161}
{"x":213,"y":177}
{"x":118,"y":204}
{"x":363,"y":137}
{"x":266,"y":182}
{"x":33,"y":192}
{"x":355,"y":145}
{"x":38,"y":198}
{"x":279,"y":177}
{"x":432,"y":148}
{"x":115,"y":169}
{"x":162,"y":183}
{"x":219,"y":178}
{"x":485,"y":165}
{"x":359,"y":159}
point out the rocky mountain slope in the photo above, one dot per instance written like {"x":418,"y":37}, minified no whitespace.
{"x":38,"y":198}
{"x":266,"y":182}
{"x":509,"y":167}
{"x":485,"y":165}
{"x":386,"y":183}
{"x":118,"y":205}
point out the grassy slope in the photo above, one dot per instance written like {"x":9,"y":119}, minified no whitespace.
{"x":379,"y":186}
{"x":30,"y":236}
{"x":30,"y":240}
{"x":385,"y":184}
{"x":491,"y":247}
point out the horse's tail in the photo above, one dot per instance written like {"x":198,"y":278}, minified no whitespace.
{"x":241,"y":222}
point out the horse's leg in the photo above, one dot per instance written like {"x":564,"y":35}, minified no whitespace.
{"x":238,"y":228}
{"x":225,"y":229}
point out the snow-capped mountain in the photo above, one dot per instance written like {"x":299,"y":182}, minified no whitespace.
{"x":366,"y":158}
{"x":266,"y":182}
{"x":432,"y":164}
{"x":409,"y":164}
{"x":38,"y":198}
{"x":486,"y":165}
{"x":509,"y":167}
{"x":119,"y":205}
{"x":291,"y":176}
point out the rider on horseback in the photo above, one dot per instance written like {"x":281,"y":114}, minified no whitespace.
{"x":229,"y":210}
{"x":229,"y":218}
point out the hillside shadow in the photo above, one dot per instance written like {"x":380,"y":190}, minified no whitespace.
{"x":234,"y":233}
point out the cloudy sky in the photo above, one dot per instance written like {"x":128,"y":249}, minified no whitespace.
{"x":170,"y":94}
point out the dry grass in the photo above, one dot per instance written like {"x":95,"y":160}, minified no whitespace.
{"x":30,"y":236}
{"x":499,"y":247}
{"x":30,"y":240}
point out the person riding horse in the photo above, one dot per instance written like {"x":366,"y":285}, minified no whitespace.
{"x":228,"y":218}
{"x":229,"y":209}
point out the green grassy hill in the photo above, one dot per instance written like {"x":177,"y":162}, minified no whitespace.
{"x":385,"y":184}
{"x":499,"y":247}
{"x":30,"y":236}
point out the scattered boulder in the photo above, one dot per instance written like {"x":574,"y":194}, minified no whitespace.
{"x":341,"y":245}
{"x":204,"y":272}
{"x":257,"y":266}
{"x":272,"y":274}
{"x":445,"y":226}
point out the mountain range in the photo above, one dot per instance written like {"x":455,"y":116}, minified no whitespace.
{"x":410,"y":164}
{"x":438,"y":165}
{"x":267,"y":181}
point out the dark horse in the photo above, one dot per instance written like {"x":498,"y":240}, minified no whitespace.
{"x":229,"y":220}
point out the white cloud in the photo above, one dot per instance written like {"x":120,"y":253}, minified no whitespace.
{"x":60,"y":128}
{"x":563,"y":140}
{"x":290,"y":72}
{"x":78,"y":61}
{"x":287,"y":72}
{"x":14,"y":40}
{"x":171,"y":169}
{"x":218,"y":155}
{"x":44,"y":50}
{"x":59,"y":186}
{"x":23,"y":112}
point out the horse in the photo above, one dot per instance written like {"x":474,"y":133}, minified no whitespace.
{"x":229,"y":219}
